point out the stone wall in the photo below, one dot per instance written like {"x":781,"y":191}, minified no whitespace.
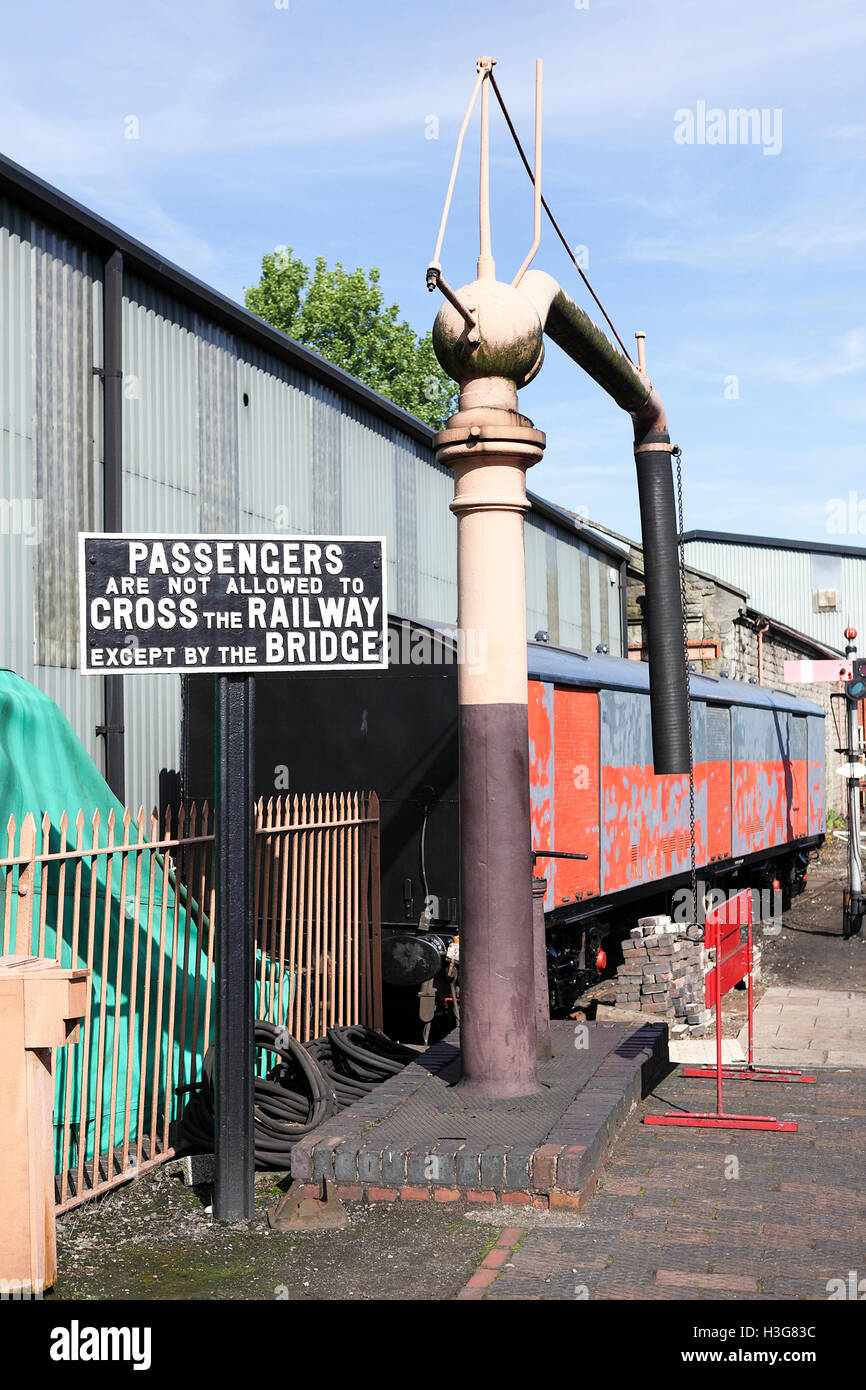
{"x":723,"y":636}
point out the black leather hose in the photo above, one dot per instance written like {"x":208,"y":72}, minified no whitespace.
{"x":291,"y":1100}
{"x":368,"y":1054}
{"x":669,"y":696}
{"x":307,"y":1085}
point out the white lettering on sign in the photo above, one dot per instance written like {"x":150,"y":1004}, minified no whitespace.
{"x":241,"y":603}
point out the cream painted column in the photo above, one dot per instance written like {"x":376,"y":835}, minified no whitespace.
{"x":489,"y":451}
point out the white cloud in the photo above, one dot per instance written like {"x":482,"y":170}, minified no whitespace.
{"x":795,"y":236}
{"x":847,"y":358}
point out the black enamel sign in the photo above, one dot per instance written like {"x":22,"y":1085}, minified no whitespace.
{"x":225,"y":604}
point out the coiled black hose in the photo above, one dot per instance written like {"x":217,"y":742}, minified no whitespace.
{"x":355,"y":1060}
{"x":368,"y":1055}
{"x":292,"y":1099}
{"x":307,"y":1085}
{"x":345,"y":1088}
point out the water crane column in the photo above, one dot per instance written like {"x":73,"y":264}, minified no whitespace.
{"x":489,"y":447}
{"x":489,"y":338}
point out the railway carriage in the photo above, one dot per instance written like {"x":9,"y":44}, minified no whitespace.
{"x":758,"y":793}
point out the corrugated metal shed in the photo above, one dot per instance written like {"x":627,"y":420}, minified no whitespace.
{"x":50,"y":341}
{"x":792,"y":581}
{"x":227,"y":425}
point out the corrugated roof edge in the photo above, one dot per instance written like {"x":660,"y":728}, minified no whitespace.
{"x":582,"y":530}
{"x":774,"y":543}
{"x":68,"y":215}
{"x":802,"y":637}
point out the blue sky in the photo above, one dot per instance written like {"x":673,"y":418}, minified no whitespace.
{"x":306,"y":125}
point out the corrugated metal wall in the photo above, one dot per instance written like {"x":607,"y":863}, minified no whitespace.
{"x":780,"y":583}
{"x":50,"y":453}
{"x":572,"y":590}
{"x":218,"y":434}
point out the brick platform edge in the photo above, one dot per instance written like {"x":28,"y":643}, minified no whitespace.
{"x":560,"y":1172}
{"x":492,"y":1265}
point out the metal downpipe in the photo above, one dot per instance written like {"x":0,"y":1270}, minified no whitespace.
{"x":112,"y":496}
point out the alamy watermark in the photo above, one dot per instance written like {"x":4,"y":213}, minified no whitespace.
{"x":416,"y":646}
{"x":22,"y":516}
{"x":715,"y":125}
{"x":766,"y":904}
{"x":21,"y":1290}
{"x":851,"y":1288}
{"x":846,"y":516}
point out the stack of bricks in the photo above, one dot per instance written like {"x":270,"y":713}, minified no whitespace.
{"x":662,"y":975}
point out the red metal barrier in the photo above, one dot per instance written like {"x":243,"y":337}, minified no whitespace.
{"x":736,"y":966}
{"x":734,"y":960}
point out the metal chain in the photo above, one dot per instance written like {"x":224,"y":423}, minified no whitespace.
{"x":678,"y":454}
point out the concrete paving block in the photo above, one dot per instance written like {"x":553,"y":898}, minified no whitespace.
{"x":784,"y":1042}
{"x":765,"y":1031}
{"x":832,"y":1036}
{"x":695,"y":1052}
{"x":776,"y":1057}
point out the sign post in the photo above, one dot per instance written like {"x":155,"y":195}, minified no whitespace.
{"x":852,"y":671}
{"x":853,"y":905}
{"x":234,"y":949}
{"x":233,"y":606}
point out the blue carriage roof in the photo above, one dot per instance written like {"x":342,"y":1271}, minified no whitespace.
{"x":547,"y":663}
{"x":569,"y":667}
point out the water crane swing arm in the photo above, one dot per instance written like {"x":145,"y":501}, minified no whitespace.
{"x":489,"y":338}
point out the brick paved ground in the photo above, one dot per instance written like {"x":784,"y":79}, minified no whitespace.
{"x":668,"y":1223}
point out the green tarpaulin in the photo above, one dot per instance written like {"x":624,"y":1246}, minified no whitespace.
{"x":45,"y":768}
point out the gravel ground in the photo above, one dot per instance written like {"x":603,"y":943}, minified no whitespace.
{"x":809,"y":952}
{"x":153,"y":1239}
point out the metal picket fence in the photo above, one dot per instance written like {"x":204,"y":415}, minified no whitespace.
{"x":134,"y":902}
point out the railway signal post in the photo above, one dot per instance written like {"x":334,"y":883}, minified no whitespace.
{"x":852,"y":674}
{"x":854,"y":903}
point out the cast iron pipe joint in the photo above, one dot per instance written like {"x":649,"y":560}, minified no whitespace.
{"x":510,"y":344}
{"x":650,"y":421}
{"x":490,"y":364}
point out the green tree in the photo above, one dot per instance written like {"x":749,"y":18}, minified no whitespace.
{"x":342,"y":315}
